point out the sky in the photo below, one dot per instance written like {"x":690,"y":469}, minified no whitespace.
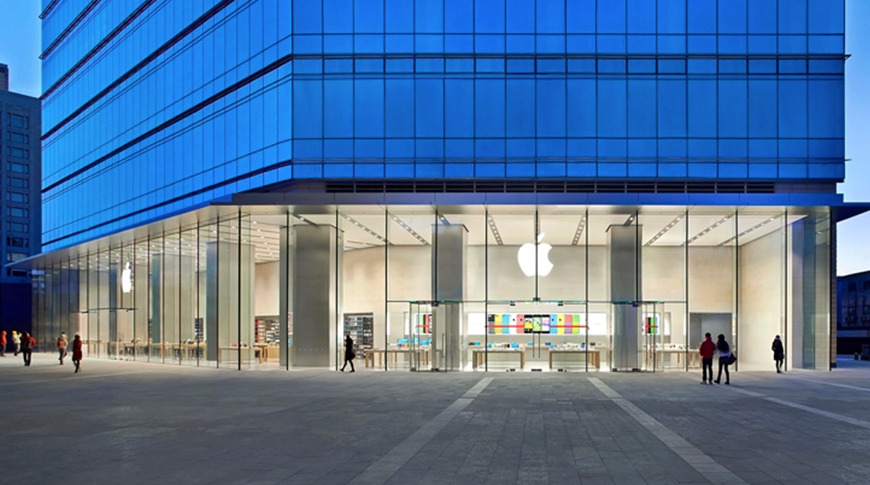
{"x":20,"y":41}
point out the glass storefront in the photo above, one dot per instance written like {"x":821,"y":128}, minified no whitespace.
{"x":452,"y":288}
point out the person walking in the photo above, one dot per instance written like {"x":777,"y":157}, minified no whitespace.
{"x":348,"y":353}
{"x":724,"y":358}
{"x":778,"y":353}
{"x":26,"y":345}
{"x":77,"y":352}
{"x":16,"y":342}
{"x":706,"y":349}
{"x":3,"y":343}
{"x":62,"y":344}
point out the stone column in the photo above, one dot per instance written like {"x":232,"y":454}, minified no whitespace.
{"x":229,"y":293}
{"x":624,"y":274}
{"x":316,"y":295}
{"x":449,"y":283}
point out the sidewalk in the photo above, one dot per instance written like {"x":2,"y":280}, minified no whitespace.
{"x":134,"y":423}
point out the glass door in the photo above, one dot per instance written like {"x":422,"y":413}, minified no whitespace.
{"x":417,"y":343}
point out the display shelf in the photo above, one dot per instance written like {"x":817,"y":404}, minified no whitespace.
{"x":360,"y":327}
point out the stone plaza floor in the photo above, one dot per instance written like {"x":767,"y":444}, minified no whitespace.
{"x":127,"y":422}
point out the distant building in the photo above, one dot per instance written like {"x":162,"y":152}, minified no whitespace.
{"x":20,"y":213}
{"x":853,"y":312}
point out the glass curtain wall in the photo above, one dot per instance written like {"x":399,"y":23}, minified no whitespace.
{"x":451,"y":288}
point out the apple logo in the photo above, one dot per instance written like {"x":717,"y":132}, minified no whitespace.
{"x":526,"y":258}
{"x":126,"y":280}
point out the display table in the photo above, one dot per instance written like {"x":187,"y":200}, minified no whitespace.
{"x":478,"y":356}
{"x":593,"y":356}
{"x":369,"y":355}
{"x":661,"y":353}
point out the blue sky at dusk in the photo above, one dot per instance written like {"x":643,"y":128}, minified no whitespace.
{"x":20,"y":47}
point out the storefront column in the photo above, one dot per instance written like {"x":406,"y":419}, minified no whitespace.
{"x":285,"y":298}
{"x":449,"y":275}
{"x":315,"y":301}
{"x":624,"y":272}
{"x":229,"y":273}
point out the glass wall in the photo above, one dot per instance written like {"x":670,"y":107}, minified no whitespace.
{"x":465,"y":287}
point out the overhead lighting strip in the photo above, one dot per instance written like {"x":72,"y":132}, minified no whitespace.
{"x":492,"y":227}
{"x":665,"y":229}
{"x":365,"y":228}
{"x":579,"y":231}
{"x":412,"y":232}
{"x":753,"y":228}
{"x":706,"y":231}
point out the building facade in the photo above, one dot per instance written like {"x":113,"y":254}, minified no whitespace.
{"x":20,"y":149}
{"x":458,"y":185}
{"x":853,"y":312}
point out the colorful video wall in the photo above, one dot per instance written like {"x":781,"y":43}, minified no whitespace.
{"x":519,"y":323}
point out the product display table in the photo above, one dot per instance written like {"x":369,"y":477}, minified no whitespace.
{"x":422,"y":352}
{"x":694,"y":357}
{"x":593,"y":356}
{"x":478,"y":356}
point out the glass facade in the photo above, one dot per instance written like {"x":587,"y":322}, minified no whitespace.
{"x":449,"y":288}
{"x":242,"y":184}
{"x":187,"y":102}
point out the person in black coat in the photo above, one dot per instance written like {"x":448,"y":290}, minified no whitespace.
{"x":724,"y":358}
{"x":349,"y":354}
{"x":778,"y":353}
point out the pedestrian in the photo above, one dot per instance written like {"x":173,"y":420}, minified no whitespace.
{"x":3,"y":343}
{"x":27,"y":343}
{"x":724,"y":358}
{"x":62,"y":344}
{"x":706,"y":350}
{"x":77,"y":352}
{"x":349,"y":354}
{"x":16,"y":342}
{"x":778,"y":353}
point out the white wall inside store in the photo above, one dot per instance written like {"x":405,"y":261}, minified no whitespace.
{"x":761,"y":301}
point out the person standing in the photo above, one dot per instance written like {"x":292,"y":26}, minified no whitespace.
{"x":778,"y":353}
{"x":724,"y":358}
{"x":706,"y":350}
{"x":348,"y":353}
{"x":62,"y":344}
{"x":77,"y":352}
{"x":26,"y":347}
{"x":3,"y":343}
{"x":16,"y":342}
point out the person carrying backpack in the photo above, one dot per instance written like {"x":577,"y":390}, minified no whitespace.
{"x":62,"y":344}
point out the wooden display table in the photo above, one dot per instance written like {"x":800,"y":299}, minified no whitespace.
{"x":693,"y":354}
{"x":369,"y":357}
{"x":593,"y":356}
{"x":478,"y":356}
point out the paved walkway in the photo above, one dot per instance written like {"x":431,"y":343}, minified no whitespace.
{"x":126,"y":422}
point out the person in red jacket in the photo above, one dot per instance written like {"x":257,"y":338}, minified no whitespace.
{"x":706,"y":350}
{"x":77,"y":353}
{"x":3,"y":343}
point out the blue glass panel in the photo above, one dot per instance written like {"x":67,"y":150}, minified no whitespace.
{"x":581,"y":44}
{"x":732,"y":109}
{"x":672,"y":109}
{"x":490,"y":103}
{"x":613,"y":148}
{"x":429,"y":44}
{"x":793,"y":148}
{"x":792,"y":16}
{"x":370,"y":44}
{"x":731,"y":148}
{"x":763,"y":148}
{"x":792,"y":101}
{"x":368,"y":16}
{"x":576,"y":169}
{"x":519,"y":44}
{"x":792,"y":170}
{"x":671,"y":44}
{"x":518,"y":169}
{"x":703,"y":147}
{"x":641,"y":17}
{"x":611,"y":16}
{"x":551,"y":147}
{"x":671,"y":16}
{"x":762,"y":170}
{"x":489,"y":43}
{"x":399,"y":170}
{"x":673,"y":148}
{"x":762,"y":17}
{"x":608,"y":169}
{"x":521,"y":108}
{"x":732,"y":17}
{"x":429,"y":149}
{"x":611,"y":44}
{"x":306,"y":18}
{"x":582,"y":148}
{"x":672,"y":169}
{"x":400,"y":148}
{"x":458,"y":170}
{"x":826,"y":170}
{"x":551,"y":108}
{"x":458,"y":16}
{"x":340,"y":16}
{"x":732,"y":44}
{"x":702,"y":108}
{"x":642,"y":148}
{"x":428,"y":16}
{"x":399,"y":43}
{"x":611,"y":66}
{"x":547,"y":169}
{"x":762,"y":66}
{"x":520,"y":16}
{"x":400,"y":108}
{"x":762,"y":44}
{"x":826,"y":16}
{"x":369,"y":108}
{"x":581,"y":108}
{"x":641,"y":44}
{"x":672,"y":66}
{"x":338,"y":148}
{"x":551,"y":44}
{"x":612,"y":108}
{"x":733,"y":170}
{"x":430,"y":108}
{"x":826,"y":44}
{"x":520,"y":147}
{"x":459,"y":108}
{"x":641,"y":66}
{"x":762,"y":109}
{"x":399,"y":16}
{"x":701,"y":17}
{"x":308,"y":109}
{"x":368,"y":170}
{"x":641,"y":108}
{"x":458,"y":148}
{"x":700,"y":169}
{"x":458,"y":43}
{"x":701,"y":44}
{"x":489,"y":16}
{"x":550,"y":16}
{"x":489,"y":170}
{"x":580,"y":16}
{"x":792,"y":44}
{"x":826,"y":109}
{"x":826,"y":148}
{"x":337,"y":108}
{"x":368,"y":149}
